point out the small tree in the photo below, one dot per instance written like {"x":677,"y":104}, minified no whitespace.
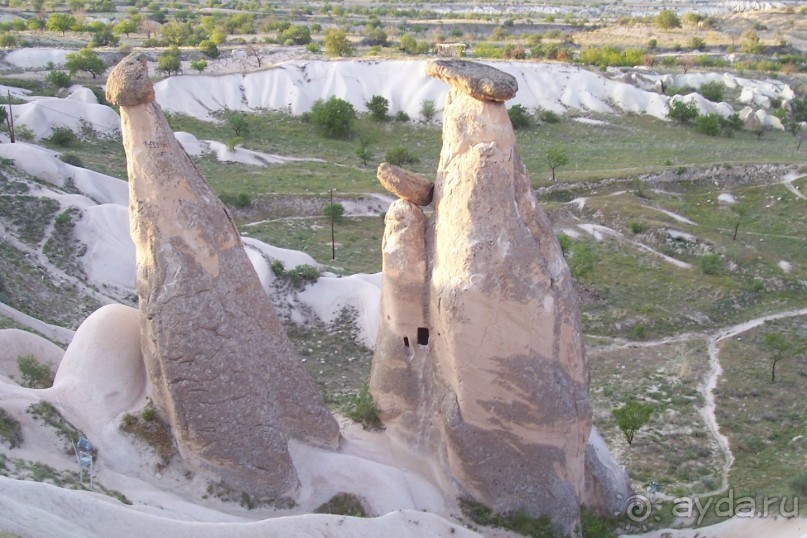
{"x":60,"y":22}
{"x":682,"y":112}
{"x":125,"y":26}
{"x":199,"y":65}
{"x":35,"y":375}
{"x":256,"y":52}
{"x":209,"y":49}
{"x":778,"y":347}
{"x":168,"y":61}
{"x":333,"y":210}
{"x":631,"y":417}
{"x":750,"y":43}
{"x":333,"y":118}
{"x":378,"y":107}
{"x":337,"y":43}
{"x":84,"y":60}
{"x":428,"y":110}
{"x":713,"y":90}
{"x":556,"y":157}
{"x":741,"y":210}
{"x":58,"y":79}
{"x":363,"y":150}
{"x":708,"y":124}
{"x":667,"y":19}
{"x":237,"y":121}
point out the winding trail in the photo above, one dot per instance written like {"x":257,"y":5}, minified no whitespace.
{"x":710,"y":381}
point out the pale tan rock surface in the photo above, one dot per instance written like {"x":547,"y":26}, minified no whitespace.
{"x":405,"y":184}
{"x":497,"y":384}
{"x":477,"y":80}
{"x":221,"y":367}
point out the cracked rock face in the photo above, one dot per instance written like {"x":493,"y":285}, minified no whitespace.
{"x":479,"y":357}
{"x":221,"y":367}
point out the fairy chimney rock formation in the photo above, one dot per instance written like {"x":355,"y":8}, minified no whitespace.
{"x":479,"y":357}
{"x":221,"y":367}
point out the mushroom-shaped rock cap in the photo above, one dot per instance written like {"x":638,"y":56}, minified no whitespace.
{"x":128,"y":83}
{"x":405,"y":184}
{"x":477,"y":80}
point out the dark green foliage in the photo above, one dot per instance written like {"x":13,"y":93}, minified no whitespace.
{"x":58,"y":79}
{"x":361,"y":408}
{"x":520,"y":521}
{"x":363,"y":150}
{"x":709,"y":264}
{"x":35,"y":375}
{"x":343,"y":504}
{"x":682,"y":112}
{"x":714,"y":91}
{"x":238,"y":122}
{"x":333,"y":211}
{"x":52,"y":417}
{"x":62,"y":137}
{"x":299,"y":276}
{"x":378,"y":107}
{"x":595,"y":526}
{"x":631,"y":417}
{"x":10,"y":429}
{"x":333,"y":118}
{"x":582,"y":259}
{"x":151,"y":428}
{"x":636,"y":227}
{"x":209,"y":49}
{"x":400,"y":156}
{"x":547,"y":116}
{"x":168,"y":61}
{"x":565,"y":243}
{"x":428,"y":110}
{"x":72,"y":159}
{"x":708,"y":124}
{"x":84,"y":60}
{"x":799,"y":484}
{"x":667,"y":19}
{"x":556,"y":157}
{"x":402,"y":116}
{"x":104,"y":38}
{"x":520,"y":117}
{"x":297,"y":35}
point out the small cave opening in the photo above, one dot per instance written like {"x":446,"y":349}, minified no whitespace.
{"x":423,"y":336}
{"x":406,"y":341}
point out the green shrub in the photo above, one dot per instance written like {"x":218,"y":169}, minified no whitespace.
{"x":58,"y":79}
{"x":428,"y":110}
{"x":714,"y":91}
{"x":243,"y":200}
{"x":708,"y":124}
{"x":400,"y":156}
{"x":52,"y":417}
{"x":333,"y":211}
{"x":709,"y":264}
{"x":72,"y":159}
{"x":402,"y":116}
{"x":343,"y":504}
{"x":520,"y":117}
{"x":10,"y":429}
{"x":62,"y":137}
{"x":361,"y":408}
{"x":313,"y":47}
{"x":547,"y":116}
{"x":518,"y":521}
{"x":683,"y":112}
{"x":278,"y":268}
{"x":333,"y":118}
{"x":150,"y":428}
{"x":301,"y":275}
{"x":34,"y":374}
{"x":636,"y":227}
{"x":378,"y":107}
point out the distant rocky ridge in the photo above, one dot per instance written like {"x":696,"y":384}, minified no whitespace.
{"x":221,"y":367}
{"x":479,"y":360}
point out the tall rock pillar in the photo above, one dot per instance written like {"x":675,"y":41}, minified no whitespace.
{"x":505,"y":371}
{"x":221,"y":367}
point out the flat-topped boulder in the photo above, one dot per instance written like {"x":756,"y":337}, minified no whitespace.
{"x":405,"y":184}
{"x":477,"y":80}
